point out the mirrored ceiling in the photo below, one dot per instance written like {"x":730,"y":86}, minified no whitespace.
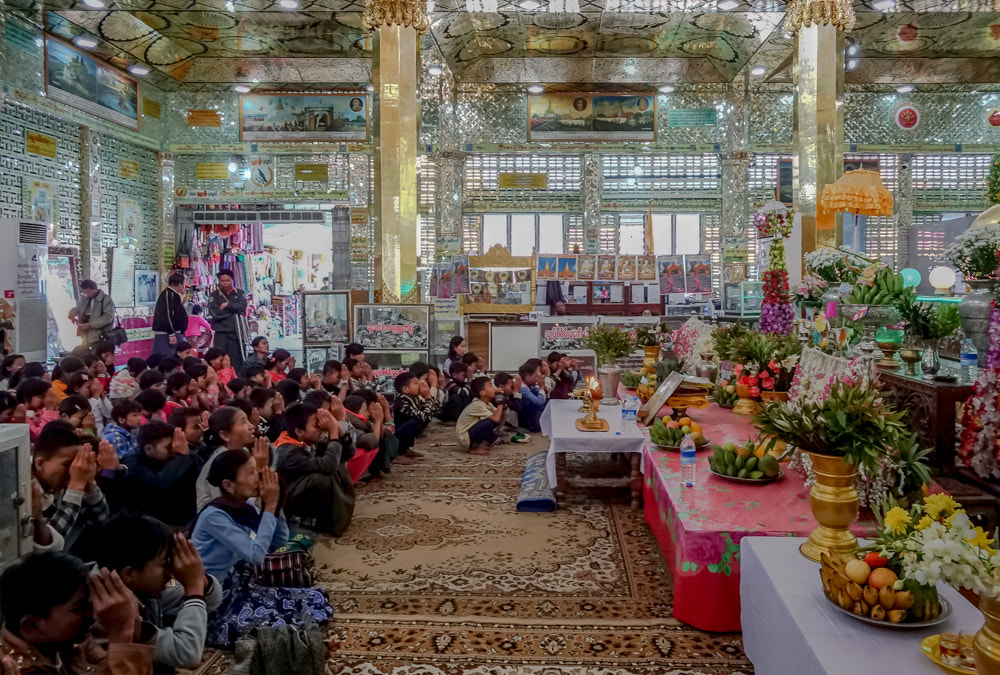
{"x":320,"y":44}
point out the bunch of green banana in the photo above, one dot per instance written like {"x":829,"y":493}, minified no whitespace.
{"x":927,"y":604}
{"x":884,"y":290}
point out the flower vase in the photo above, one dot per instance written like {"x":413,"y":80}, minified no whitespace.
{"x":975,"y":312}
{"x":707,"y":368}
{"x":746,"y":405}
{"x":834,"y":502}
{"x":986,"y":643}
{"x":652,"y":352}
{"x":930,"y":362}
{"x":609,"y":376}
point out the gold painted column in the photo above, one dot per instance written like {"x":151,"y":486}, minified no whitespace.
{"x":398,"y":25}
{"x":819,"y":26}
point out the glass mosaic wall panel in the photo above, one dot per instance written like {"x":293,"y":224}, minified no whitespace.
{"x":144,"y":189}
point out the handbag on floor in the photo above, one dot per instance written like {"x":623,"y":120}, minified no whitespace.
{"x":290,"y":569}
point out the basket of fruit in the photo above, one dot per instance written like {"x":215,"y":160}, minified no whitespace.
{"x":866,"y":590}
{"x":725,"y":395}
{"x":746,"y":463}
{"x":668,"y":435}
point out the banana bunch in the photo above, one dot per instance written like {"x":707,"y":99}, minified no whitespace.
{"x":884,"y":289}
{"x":880,"y":603}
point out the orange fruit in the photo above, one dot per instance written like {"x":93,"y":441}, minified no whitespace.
{"x":881,"y":577}
{"x":695,"y":427}
{"x":673,"y":425}
{"x":684,"y":421}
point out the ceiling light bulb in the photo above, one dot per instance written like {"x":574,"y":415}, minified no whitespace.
{"x":139,"y":70}
{"x":369,"y":88}
{"x":529,"y":5}
{"x":85,"y":42}
{"x":232,"y":167}
{"x":851,"y":64}
{"x":435,"y":70}
{"x":536,"y":89}
{"x":241,"y":88}
{"x":758,"y":71}
{"x":288,"y":4}
{"x":904,"y":88}
{"x":94,"y":4}
{"x":728,"y":5}
{"x":666,"y":88}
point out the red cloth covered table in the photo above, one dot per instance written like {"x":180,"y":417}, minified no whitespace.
{"x":700,"y":528}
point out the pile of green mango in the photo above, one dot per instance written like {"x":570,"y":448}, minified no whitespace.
{"x":740,"y":462}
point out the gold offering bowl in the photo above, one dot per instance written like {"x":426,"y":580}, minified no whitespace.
{"x":889,"y":349}
{"x":911,"y":357}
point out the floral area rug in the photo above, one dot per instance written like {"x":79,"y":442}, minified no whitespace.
{"x":439,"y":575}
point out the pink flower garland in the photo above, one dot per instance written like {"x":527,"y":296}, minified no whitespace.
{"x":979,"y":442}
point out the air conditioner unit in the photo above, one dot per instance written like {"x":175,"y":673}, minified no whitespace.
{"x":15,"y":493}
{"x":22,"y":270}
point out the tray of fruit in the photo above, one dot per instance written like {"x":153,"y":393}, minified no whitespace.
{"x":668,"y":435}
{"x":725,"y":396}
{"x":864,"y":590}
{"x":744,"y":464}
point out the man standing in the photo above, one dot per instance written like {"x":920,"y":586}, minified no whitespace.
{"x":228,"y":307}
{"x":94,"y":312}
{"x":170,"y":319}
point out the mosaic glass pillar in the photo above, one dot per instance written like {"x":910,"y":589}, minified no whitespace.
{"x":819,"y":129}
{"x":450,"y":189}
{"x":592,"y":184}
{"x":359,"y":176}
{"x":905,"y":200}
{"x":735,"y":214}
{"x":166,"y":249}
{"x":3,"y":48}
{"x":92,"y":258}
{"x":394,"y":71}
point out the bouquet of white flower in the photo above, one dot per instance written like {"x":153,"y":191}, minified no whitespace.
{"x":835,"y":265}
{"x":975,"y":251}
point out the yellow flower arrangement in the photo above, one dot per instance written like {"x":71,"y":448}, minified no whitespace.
{"x":897,"y":520}
{"x":924,"y":523}
{"x":940,"y":506}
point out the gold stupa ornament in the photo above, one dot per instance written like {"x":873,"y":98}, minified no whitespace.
{"x":802,"y":13}
{"x":412,"y":13}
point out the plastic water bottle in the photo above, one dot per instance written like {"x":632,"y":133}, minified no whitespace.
{"x":688,"y":451}
{"x":969,"y":360}
{"x":630,"y":407}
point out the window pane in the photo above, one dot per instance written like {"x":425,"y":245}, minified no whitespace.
{"x":550,"y":234}
{"x":494,"y":230}
{"x":663,"y":236}
{"x":522,"y":233}
{"x":688,"y":233}
{"x":632,"y":233}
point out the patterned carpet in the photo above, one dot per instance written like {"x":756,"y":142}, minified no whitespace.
{"x":439,"y":575}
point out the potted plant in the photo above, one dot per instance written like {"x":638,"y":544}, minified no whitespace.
{"x":934,"y":540}
{"x":975,"y":254}
{"x":852,"y":427}
{"x":929,"y":324}
{"x":608,"y":344}
{"x":648,"y":337}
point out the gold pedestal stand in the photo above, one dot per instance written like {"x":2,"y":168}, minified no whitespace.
{"x":591,"y":422}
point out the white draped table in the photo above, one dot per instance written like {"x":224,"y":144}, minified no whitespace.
{"x":790,"y":627}
{"x":558,"y":422}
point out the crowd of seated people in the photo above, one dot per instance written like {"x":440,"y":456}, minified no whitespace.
{"x":161,"y":488}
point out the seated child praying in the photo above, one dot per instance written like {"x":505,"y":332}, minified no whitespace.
{"x":49,"y":602}
{"x":40,"y":402}
{"x":479,"y":423}
{"x":161,"y":476}
{"x":459,"y":391}
{"x":123,"y":429}
{"x":231,"y":535}
{"x":146,"y":555}
{"x":311,"y":457}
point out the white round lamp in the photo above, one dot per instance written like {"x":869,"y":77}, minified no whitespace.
{"x":942,"y":279}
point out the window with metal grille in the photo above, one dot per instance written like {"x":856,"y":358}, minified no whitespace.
{"x":426,"y":183}
{"x":573,"y":239}
{"x":677,"y":174}
{"x":523,"y":233}
{"x":950,"y":178}
{"x":882,"y":239}
{"x":631,"y":233}
{"x":677,"y":233}
{"x":711,"y":244}
{"x":608,"y":234}
{"x":471,"y":224}
{"x":562,"y":175}
{"x":427,"y":238}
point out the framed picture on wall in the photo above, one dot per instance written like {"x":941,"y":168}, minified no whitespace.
{"x":325,"y":317}
{"x":392,"y":327}
{"x":574,"y":116}
{"x":81,"y":81}
{"x":281,"y":116}
{"x":147,"y":287}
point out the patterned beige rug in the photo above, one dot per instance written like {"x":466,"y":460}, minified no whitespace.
{"x":439,"y":575}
